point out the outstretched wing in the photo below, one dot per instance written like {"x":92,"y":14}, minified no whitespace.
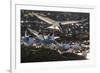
{"x":44,"y":18}
{"x":72,"y":22}
{"x":34,"y":32}
{"x":54,"y":24}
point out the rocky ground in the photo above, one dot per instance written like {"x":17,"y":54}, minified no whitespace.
{"x":31,"y":54}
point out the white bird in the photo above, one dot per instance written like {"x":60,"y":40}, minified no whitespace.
{"x":55,"y":24}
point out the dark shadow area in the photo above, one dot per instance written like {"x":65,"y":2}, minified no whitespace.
{"x":45,"y":55}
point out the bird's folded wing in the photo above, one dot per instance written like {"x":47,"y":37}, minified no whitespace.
{"x":56,"y":37}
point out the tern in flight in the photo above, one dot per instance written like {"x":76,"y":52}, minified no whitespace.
{"x":55,"y":24}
